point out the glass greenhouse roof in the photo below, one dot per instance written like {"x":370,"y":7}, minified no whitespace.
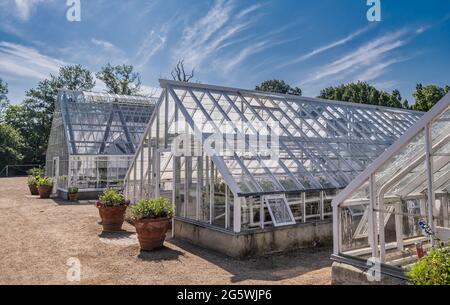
{"x":103,"y":124}
{"x":319,"y":144}
{"x":411,"y":180}
{"x":401,"y":172}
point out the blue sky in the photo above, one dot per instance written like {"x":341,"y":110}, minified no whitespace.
{"x":311,"y":44}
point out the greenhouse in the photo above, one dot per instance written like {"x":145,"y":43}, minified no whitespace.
{"x":253,"y":172}
{"x":399,"y":206}
{"x":93,"y":140}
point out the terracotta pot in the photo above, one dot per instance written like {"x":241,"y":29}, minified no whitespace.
{"x":73,"y":196}
{"x":112,"y":217}
{"x":45,"y":191}
{"x":152,"y":232}
{"x":33,"y":189}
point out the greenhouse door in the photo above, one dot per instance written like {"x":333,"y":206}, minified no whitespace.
{"x":163,"y":175}
{"x":55,"y":174}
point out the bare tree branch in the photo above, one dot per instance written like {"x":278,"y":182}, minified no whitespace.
{"x":179,"y":73}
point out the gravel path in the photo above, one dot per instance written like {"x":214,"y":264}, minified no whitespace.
{"x":38,"y":237}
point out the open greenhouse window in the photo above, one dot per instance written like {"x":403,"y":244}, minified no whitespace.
{"x":279,"y":210}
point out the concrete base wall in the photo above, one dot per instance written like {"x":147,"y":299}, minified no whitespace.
{"x":241,"y":245}
{"x":345,"y":274}
{"x":90,"y":195}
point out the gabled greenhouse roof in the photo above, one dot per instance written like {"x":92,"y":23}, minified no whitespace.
{"x":401,"y":170}
{"x":103,"y":124}
{"x":321,"y":144}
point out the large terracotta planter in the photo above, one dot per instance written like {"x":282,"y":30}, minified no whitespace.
{"x":73,"y":196}
{"x":152,"y":232}
{"x":112,"y":217}
{"x":45,"y":191}
{"x":33,"y":189}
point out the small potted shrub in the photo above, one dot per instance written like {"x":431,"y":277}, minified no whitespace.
{"x":112,"y":206}
{"x":73,"y":193}
{"x":33,"y":176}
{"x":151,"y":219}
{"x":45,"y":187}
{"x":32,"y":185}
{"x":432,"y":269}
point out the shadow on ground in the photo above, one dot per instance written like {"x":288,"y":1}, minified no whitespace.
{"x":64,"y":202}
{"x":116,"y":235}
{"x":161,"y":254}
{"x":273,"y":267}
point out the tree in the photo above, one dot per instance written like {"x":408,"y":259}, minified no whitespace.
{"x":70,"y":78}
{"x":4,"y":102}
{"x":75,"y":78}
{"x":179,"y":73}
{"x":11,"y":143}
{"x":426,"y":97}
{"x":33,"y":124}
{"x":363,"y":93}
{"x":120,"y":79}
{"x":33,"y":117}
{"x":278,"y":86}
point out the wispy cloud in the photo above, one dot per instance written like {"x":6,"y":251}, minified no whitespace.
{"x":376,"y":70}
{"x":150,"y":46}
{"x":250,"y":9}
{"x":210,"y":33}
{"x":23,"y":8}
{"x":253,"y":48}
{"x":26,"y":62}
{"x":366,"y":56}
{"x":325,"y":48}
{"x":104,"y":44}
{"x":386,"y":85}
{"x":93,"y":53}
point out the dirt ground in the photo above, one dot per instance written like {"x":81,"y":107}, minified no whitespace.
{"x":38,"y":237}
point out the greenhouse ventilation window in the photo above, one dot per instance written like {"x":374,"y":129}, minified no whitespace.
{"x":279,"y":210}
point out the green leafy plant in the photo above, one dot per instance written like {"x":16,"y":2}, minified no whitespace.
{"x":111,"y":198}
{"x":33,"y":180}
{"x":73,"y":190}
{"x":45,"y":182}
{"x":151,"y":208}
{"x":36,"y":172}
{"x":433,"y":269}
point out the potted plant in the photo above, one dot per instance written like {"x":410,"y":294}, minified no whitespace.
{"x":112,"y":206}
{"x":73,"y":193}
{"x":32,"y":185}
{"x":33,"y":176}
{"x":151,"y":219}
{"x":45,"y":187}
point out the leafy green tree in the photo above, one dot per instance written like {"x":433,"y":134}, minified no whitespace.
{"x":278,"y":86}
{"x":4,"y":102}
{"x":363,"y":93}
{"x":70,"y":78}
{"x":32,"y":124}
{"x":33,"y":117}
{"x":120,"y":79}
{"x":426,"y":97}
{"x":11,"y":143}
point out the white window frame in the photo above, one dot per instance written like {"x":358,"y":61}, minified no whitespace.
{"x":267,"y":198}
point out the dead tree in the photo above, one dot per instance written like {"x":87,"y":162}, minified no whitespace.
{"x":179,"y":74}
